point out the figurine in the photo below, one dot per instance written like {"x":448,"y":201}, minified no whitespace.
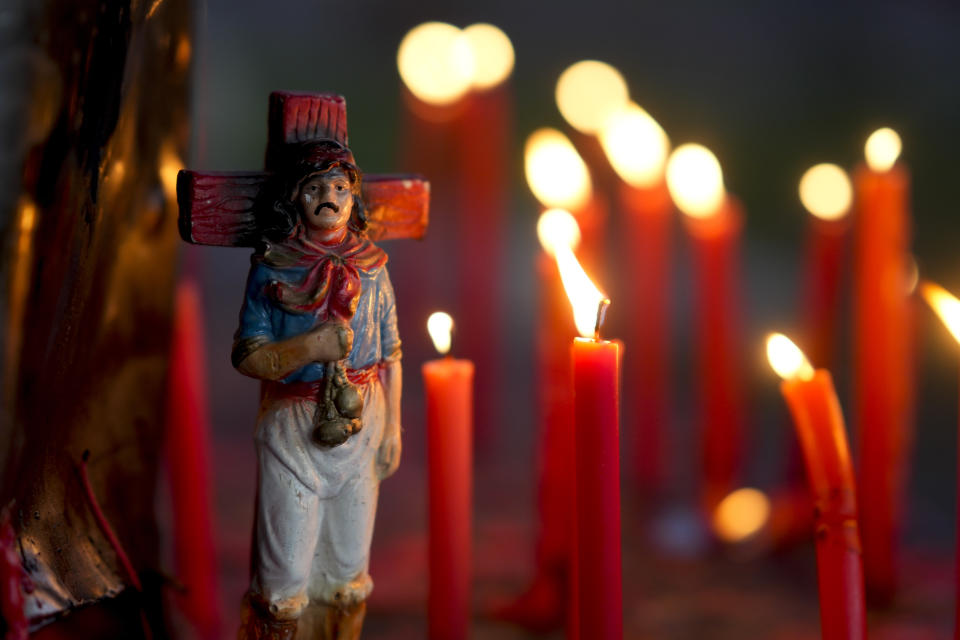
{"x":318,"y":326}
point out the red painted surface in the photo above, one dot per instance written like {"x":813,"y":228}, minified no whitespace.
{"x":449,"y":390}
{"x":820,"y":428}
{"x":648,"y":220}
{"x":13,"y":582}
{"x":883,"y":368}
{"x":716,"y":252}
{"x":599,"y":602}
{"x":217,"y":208}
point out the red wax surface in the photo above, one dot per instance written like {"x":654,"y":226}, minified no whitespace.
{"x":449,"y":388}
{"x":827,"y":247}
{"x":883,"y":368}
{"x":599,"y":601}
{"x":648,"y":217}
{"x":483,"y":156}
{"x":555,"y":482}
{"x":715,"y":244}
{"x":819,"y":423}
{"x":188,"y":465}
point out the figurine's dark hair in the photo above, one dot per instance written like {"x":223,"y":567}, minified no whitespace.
{"x":277,"y":212}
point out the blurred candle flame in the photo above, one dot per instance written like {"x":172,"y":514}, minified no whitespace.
{"x":557,"y":228}
{"x":436,"y":63}
{"x":741,"y":515}
{"x":556,"y":173}
{"x":492,"y":54}
{"x":882,"y":149}
{"x":588,"y":92}
{"x":826,"y":192}
{"x":945,"y":305}
{"x":585,"y":297}
{"x":786,"y":358}
{"x":170,"y":166}
{"x":440,"y":326}
{"x":636,"y":145}
{"x":695,"y":180}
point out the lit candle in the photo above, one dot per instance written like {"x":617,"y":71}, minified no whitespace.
{"x":714,"y":222}
{"x":449,"y":388}
{"x":947,"y":308}
{"x":596,"y":397}
{"x":813,"y":403}
{"x":559,"y":178}
{"x":588,"y":93}
{"x":882,"y":362}
{"x":826,"y":193}
{"x":483,"y":148}
{"x":637,"y":149}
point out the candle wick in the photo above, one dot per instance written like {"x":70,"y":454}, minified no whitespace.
{"x":601,"y":316}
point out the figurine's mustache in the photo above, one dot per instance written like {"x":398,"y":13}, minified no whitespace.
{"x":332,"y":205}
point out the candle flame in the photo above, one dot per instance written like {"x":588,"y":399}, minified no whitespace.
{"x":695,"y":180}
{"x":882,"y":149}
{"x":556,"y":173}
{"x":946,"y":306}
{"x":436,"y":63}
{"x":585,"y":298}
{"x":492,"y":53}
{"x":636,"y":145}
{"x":588,"y":92}
{"x":741,"y":515}
{"x":440,"y":326}
{"x":826,"y":192}
{"x":557,"y":228}
{"x":787,"y":359}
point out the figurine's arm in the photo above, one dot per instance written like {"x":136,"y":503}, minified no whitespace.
{"x":391,"y":376}
{"x":258,"y":353}
{"x":388,"y":457}
{"x":276,"y":360}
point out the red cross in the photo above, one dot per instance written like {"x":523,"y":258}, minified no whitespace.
{"x":216,"y":208}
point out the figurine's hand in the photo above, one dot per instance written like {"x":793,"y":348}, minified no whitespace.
{"x":388,"y":455}
{"x":330,"y":341}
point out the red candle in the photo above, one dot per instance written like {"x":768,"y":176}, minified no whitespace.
{"x":596,"y":371}
{"x":826,"y":193}
{"x":813,"y":403}
{"x":637,"y":148}
{"x":483,"y":147}
{"x":598,"y":602}
{"x":714,"y":222}
{"x":881,"y":356}
{"x":947,"y":307}
{"x":188,"y":466}
{"x":449,"y":388}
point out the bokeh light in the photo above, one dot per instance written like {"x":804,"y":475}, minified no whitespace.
{"x":588,"y":92}
{"x":825,"y":191}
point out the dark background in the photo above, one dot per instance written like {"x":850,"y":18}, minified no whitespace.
{"x":771,"y":88}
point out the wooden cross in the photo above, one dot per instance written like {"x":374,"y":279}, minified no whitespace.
{"x":217,"y":208}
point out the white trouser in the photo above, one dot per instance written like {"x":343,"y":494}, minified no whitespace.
{"x":315,"y":507}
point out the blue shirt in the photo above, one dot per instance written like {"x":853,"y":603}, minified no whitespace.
{"x":375,"y":336}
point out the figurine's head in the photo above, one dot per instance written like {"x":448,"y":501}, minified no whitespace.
{"x":321,"y":185}
{"x":325,"y":199}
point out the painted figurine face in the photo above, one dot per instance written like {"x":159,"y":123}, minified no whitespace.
{"x":326,"y":201}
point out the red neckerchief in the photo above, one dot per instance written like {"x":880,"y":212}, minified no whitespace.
{"x":331,"y":286}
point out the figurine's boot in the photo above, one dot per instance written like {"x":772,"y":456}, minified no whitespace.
{"x":257,"y":623}
{"x":323,"y":621}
